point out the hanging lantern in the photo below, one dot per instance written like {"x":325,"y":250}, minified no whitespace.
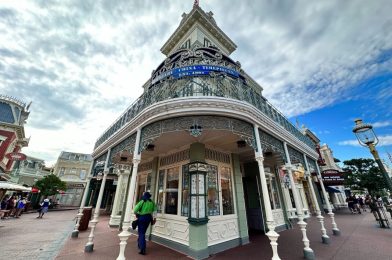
{"x":198,"y":193}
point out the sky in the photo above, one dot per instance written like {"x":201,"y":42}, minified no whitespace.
{"x":82,"y":63}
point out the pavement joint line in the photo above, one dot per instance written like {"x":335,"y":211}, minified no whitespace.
{"x":56,"y":245}
{"x":347,"y":237}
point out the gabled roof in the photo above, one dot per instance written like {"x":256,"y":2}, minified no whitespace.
{"x":206,"y":19}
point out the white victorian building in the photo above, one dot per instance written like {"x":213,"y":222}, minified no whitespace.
{"x":217,"y":157}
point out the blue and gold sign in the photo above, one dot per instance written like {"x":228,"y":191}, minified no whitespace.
{"x":195,"y":70}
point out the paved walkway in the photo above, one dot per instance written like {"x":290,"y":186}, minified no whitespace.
{"x":30,"y":238}
{"x":361,"y":239}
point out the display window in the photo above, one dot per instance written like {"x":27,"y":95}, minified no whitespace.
{"x":174,"y":189}
{"x":273,"y":192}
{"x":143,"y":184}
{"x":168,"y":186}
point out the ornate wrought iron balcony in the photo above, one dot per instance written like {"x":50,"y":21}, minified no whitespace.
{"x":201,"y":72}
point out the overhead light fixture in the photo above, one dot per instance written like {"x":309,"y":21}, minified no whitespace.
{"x":241,"y":144}
{"x":150,"y":147}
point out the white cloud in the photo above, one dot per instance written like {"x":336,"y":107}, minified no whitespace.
{"x":349,"y":142}
{"x":83,"y":62}
{"x":381,"y":124}
{"x":384,"y":140}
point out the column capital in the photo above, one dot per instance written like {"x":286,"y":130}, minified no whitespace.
{"x":136,"y":160}
{"x":288,"y":166}
{"x":106,"y":172}
{"x":259,"y":158}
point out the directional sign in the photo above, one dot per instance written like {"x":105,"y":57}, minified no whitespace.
{"x":332,"y":177}
{"x":16,"y":156}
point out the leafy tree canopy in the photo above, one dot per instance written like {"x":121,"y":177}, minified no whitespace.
{"x":361,"y":174}
{"x":50,"y":185}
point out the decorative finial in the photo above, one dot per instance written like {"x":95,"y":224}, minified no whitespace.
{"x":196,"y":3}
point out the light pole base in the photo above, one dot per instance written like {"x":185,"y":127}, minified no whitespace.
{"x":309,"y":254}
{"x":325,"y":239}
{"x":89,"y":248}
{"x":336,"y":232}
{"x":75,"y":234}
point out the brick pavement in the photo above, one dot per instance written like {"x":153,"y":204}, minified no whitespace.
{"x":32,"y":238}
{"x":361,"y":239}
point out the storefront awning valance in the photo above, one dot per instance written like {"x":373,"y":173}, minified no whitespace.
{"x":13,"y":186}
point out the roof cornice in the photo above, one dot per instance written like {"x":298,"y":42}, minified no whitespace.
{"x":197,"y":15}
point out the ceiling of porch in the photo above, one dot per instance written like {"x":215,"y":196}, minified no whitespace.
{"x":224,"y":141}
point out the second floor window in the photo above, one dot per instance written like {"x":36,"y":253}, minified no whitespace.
{"x":82,"y":174}
{"x":207,"y":42}
{"x":62,"y":171}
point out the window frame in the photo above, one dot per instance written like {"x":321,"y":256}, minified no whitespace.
{"x":234,"y":197}
{"x":179,"y":197}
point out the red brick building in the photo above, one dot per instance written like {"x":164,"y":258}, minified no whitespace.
{"x":13,"y":116}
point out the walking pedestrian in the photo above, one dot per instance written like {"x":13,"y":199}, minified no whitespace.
{"x":44,"y":207}
{"x":350,"y":202}
{"x":20,"y":206}
{"x":356,"y":206}
{"x":362,"y":203}
{"x":144,"y":211}
{"x":11,"y":205}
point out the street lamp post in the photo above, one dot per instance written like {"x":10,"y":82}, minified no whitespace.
{"x":366,"y":137}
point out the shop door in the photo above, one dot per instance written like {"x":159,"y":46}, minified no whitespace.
{"x":252,"y":203}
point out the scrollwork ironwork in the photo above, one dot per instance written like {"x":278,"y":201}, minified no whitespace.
{"x":240,"y":128}
{"x":295,"y":156}
{"x":271,"y":144}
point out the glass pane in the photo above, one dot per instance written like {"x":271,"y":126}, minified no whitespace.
{"x":227,"y":193}
{"x":148,"y":185}
{"x":202,"y":207}
{"x":161,"y":178}
{"x":292,"y":198}
{"x":270,"y":194}
{"x":172,"y":179}
{"x":193,"y":207}
{"x":140,"y":191}
{"x":212,"y":191}
{"x":185,"y":191}
{"x":201,"y":190}
{"x":275,"y":194}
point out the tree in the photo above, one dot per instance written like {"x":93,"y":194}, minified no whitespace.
{"x":50,"y":185}
{"x":363,"y":174}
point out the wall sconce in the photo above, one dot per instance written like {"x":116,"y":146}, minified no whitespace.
{"x":198,"y":193}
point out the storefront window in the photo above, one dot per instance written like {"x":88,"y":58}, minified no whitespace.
{"x":185,"y":191}
{"x":141,"y":188}
{"x":275,"y":194}
{"x":172,"y":179}
{"x":226,"y":186}
{"x":212,"y":191}
{"x":161,"y":179}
